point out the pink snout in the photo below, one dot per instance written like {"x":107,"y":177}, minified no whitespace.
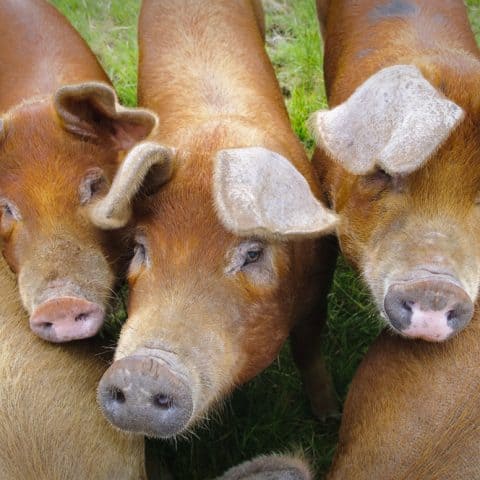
{"x":430,"y":309}
{"x":67,"y":318}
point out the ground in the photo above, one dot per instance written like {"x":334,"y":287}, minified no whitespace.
{"x":271,"y":413}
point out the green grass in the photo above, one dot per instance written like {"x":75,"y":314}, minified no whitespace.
{"x":271,"y":413}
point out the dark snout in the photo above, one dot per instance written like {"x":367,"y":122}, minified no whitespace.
{"x":431,"y":309}
{"x":143,"y":394}
{"x":67,"y":318}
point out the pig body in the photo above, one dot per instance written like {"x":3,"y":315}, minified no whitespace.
{"x":398,"y":156}
{"x":413,"y":411}
{"x":62,"y":134}
{"x":50,"y":425}
{"x":225,"y":264}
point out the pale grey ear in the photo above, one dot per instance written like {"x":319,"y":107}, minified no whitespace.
{"x":394,"y":121}
{"x":270,"y":467}
{"x":114,"y":210}
{"x":259,"y":192}
{"x":91,"y":110}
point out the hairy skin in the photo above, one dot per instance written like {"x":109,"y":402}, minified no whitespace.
{"x":193,"y":297}
{"x":57,"y":155}
{"x":426,"y":222}
{"x":412,"y":411}
{"x":50,"y":425}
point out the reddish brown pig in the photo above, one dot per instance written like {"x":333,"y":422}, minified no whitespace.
{"x":59,"y":147}
{"x":399,"y":153}
{"x":413,"y":411}
{"x":50,"y":425}
{"x":224,"y":264}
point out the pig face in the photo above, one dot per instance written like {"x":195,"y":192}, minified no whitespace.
{"x":409,"y":213}
{"x":212,"y":284}
{"x":55,"y":160}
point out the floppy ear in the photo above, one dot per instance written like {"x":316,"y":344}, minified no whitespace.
{"x":270,"y":467}
{"x":91,"y":110}
{"x":394,"y":121}
{"x":259,"y":192}
{"x":114,"y":210}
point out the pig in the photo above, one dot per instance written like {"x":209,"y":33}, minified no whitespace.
{"x":398,"y":153}
{"x":62,"y":136}
{"x":50,"y":425}
{"x":226,"y":262}
{"x":413,"y":411}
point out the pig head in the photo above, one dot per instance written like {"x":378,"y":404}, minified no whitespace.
{"x":212,"y":280}
{"x":403,"y":162}
{"x":57,"y":155}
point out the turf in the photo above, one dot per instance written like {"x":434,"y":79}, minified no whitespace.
{"x":271,"y":413}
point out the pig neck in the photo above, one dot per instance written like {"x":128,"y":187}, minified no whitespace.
{"x":41,"y":51}
{"x":203,"y":64}
{"x":434,"y":35}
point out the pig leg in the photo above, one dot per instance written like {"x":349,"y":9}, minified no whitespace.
{"x":306,"y":337}
{"x":270,"y":467}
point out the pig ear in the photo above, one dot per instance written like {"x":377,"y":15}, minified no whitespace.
{"x":91,"y":110}
{"x":144,"y":160}
{"x":270,"y":467}
{"x":393,"y":121}
{"x":259,"y":192}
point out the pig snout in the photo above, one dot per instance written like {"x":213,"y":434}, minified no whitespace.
{"x":144,"y":394}
{"x":430,"y":309}
{"x":67,"y":318}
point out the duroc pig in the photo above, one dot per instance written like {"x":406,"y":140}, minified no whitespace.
{"x":398,"y":155}
{"x":224,"y":263}
{"x":62,"y":134}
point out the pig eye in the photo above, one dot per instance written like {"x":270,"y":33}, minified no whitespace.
{"x":9,"y":214}
{"x":140,"y":256}
{"x":93,"y":183}
{"x":139,"y":252}
{"x":253,"y":255}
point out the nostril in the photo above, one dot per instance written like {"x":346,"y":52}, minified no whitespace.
{"x":47,"y":324}
{"x":407,"y":305}
{"x":451,"y":315}
{"x":116,"y":395}
{"x":162,"y":401}
{"x":81,"y":317}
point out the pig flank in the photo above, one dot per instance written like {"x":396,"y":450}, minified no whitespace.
{"x":59,"y":146}
{"x":411,"y":229}
{"x":50,"y":425}
{"x":215,"y":285}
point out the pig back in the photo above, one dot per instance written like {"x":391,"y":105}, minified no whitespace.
{"x":413,"y":411}
{"x":50,"y":425}
{"x":40,"y":52}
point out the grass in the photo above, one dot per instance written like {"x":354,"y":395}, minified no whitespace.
{"x":271,"y":413}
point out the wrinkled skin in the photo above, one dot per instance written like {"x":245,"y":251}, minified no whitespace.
{"x":408,"y":231}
